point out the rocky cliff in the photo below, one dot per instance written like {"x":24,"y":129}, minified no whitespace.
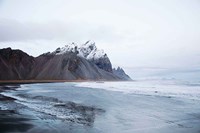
{"x":119,"y":72}
{"x":88,"y":51}
{"x":15,"y":64}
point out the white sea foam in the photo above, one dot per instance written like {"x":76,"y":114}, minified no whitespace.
{"x":45,"y":105}
{"x":155,"y":88}
{"x":3,"y":107}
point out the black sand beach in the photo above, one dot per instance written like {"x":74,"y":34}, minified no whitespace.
{"x":66,"y":107}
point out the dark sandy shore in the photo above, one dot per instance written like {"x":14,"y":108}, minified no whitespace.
{"x":17,"y":82}
{"x":19,"y":119}
{"x":10,"y":120}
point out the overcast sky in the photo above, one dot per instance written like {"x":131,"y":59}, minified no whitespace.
{"x":146,"y":34}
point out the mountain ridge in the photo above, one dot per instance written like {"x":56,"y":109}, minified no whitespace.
{"x":77,"y":63}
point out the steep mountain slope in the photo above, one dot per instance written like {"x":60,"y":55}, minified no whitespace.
{"x":68,"y":66}
{"x":14,"y":64}
{"x":119,"y":72}
{"x":88,"y":51}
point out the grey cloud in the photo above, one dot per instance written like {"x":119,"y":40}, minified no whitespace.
{"x":12,"y":30}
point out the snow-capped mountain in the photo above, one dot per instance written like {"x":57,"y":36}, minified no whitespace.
{"x":18,"y":65}
{"x":72,"y":62}
{"x":88,"y":51}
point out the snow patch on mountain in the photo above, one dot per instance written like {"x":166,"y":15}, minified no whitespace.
{"x":87,"y":50}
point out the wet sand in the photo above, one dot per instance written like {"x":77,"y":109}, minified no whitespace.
{"x":10,"y":120}
{"x":14,"y":82}
{"x":25,"y":121}
{"x":18,"y":82}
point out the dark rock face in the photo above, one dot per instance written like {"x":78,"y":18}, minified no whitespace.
{"x":14,"y":64}
{"x":103,"y":63}
{"x":96,"y":56}
{"x":68,"y":66}
{"x":88,"y":51}
{"x":121,"y":74}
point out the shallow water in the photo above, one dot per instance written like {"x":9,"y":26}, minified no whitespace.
{"x":109,"y":107}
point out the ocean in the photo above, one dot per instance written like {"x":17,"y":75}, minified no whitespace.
{"x":141,"y":106}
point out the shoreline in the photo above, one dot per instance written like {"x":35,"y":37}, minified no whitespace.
{"x":5,"y":82}
{"x":9,"y":82}
{"x":14,"y":82}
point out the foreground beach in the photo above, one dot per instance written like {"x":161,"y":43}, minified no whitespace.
{"x":140,"y":106}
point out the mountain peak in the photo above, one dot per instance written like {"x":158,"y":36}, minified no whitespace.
{"x":86,"y":50}
{"x":121,"y":73}
{"x":89,"y":51}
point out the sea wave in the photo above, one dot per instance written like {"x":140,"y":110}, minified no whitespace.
{"x":149,"y":87}
{"x":68,"y":111}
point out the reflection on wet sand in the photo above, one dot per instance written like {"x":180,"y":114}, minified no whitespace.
{"x":68,"y":111}
{"x":86,"y":113}
{"x":14,"y":117}
{"x":10,"y":121}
